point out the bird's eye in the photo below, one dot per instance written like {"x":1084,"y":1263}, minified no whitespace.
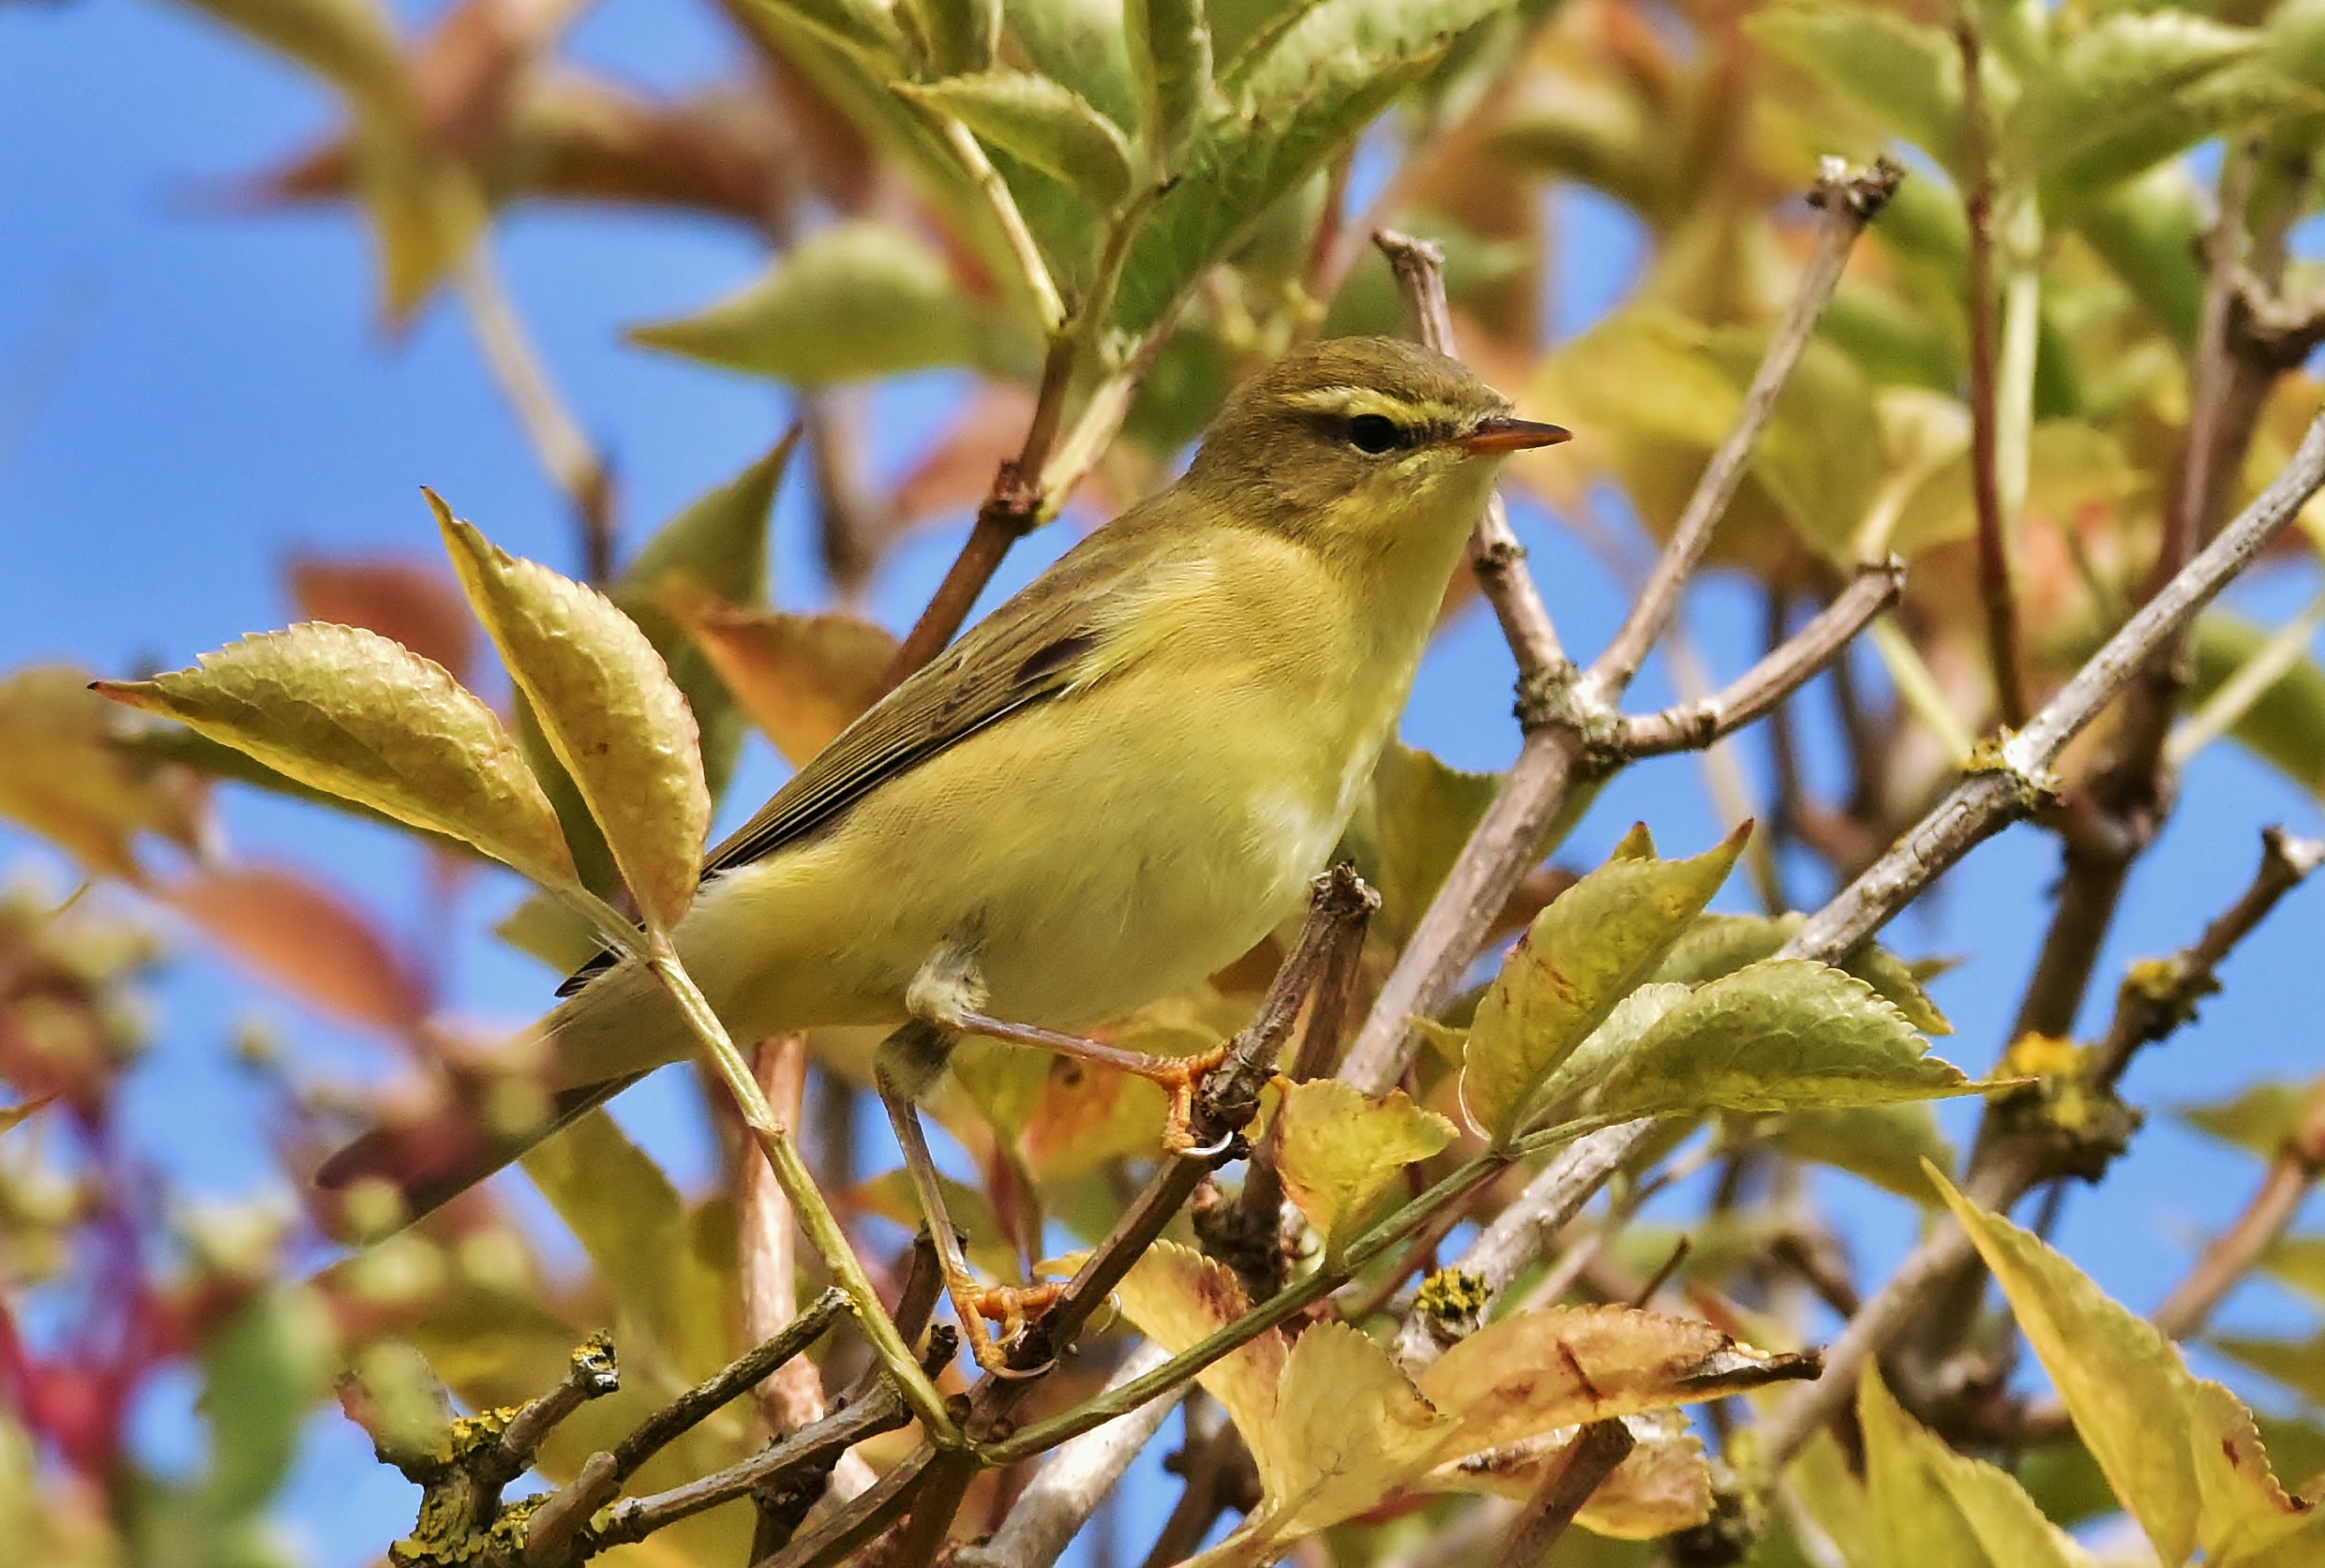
{"x":1375,"y":434}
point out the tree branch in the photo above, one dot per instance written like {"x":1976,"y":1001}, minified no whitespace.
{"x":1074,"y":1479}
{"x":1565,"y":712}
{"x":1587,"y":1461}
{"x":2155,"y":999}
{"x":1760,"y":689}
{"x":1495,"y":554}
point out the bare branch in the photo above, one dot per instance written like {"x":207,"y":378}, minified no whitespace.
{"x":1997,"y":584}
{"x":1760,"y":689}
{"x":1850,"y":201}
{"x":1495,"y":554}
{"x":1564,"y":713}
{"x":2013,"y":775}
{"x":1577,"y":1473}
{"x":592,"y":1374}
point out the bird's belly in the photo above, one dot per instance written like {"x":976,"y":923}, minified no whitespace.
{"x":1085,"y":872}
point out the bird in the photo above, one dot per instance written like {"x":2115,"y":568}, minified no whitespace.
{"x":1117,"y":784}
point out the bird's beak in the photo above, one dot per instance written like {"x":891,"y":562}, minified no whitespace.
{"x":1511,"y":435}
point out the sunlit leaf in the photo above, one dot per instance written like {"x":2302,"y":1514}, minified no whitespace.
{"x":351,"y":713}
{"x":852,"y":302}
{"x":2113,"y":74}
{"x":1941,"y":1510}
{"x":1304,"y":96}
{"x":1349,"y":1428}
{"x":2259,"y":1118}
{"x":263,"y":1369}
{"x":1545,"y":1368}
{"x":1596,"y":944}
{"x":2147,"y":229}
{"x":2071,"y":465}
{"x":1718,"y":945}
{"x":719,"y":543}
{"x":1082,"y":43}
{"x":1177,"y":1297}
{"x":62,"y":776}
{"x":1780,"y":1035}
{"x":1044,"y":124}
{"x":2180,"y":1453}
{"x":1338,"y":1151}
{"x":608,"y":707}
{"x":801,"y":678}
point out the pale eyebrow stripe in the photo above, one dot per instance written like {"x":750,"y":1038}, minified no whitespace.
{"x":1356,"y":400}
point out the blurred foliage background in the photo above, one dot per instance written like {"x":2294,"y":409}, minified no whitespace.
{"x":581,"y":267}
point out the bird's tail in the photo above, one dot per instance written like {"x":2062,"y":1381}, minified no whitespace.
{"x":586,"y":1051}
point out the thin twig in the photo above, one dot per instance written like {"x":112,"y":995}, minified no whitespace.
{"x":592,"y":1374}
{"x":1573,"y":1476}
{"x":1565,"y":714}
{"x":1997,"y":582}
{"x":1760,"y":689}
{"x":736,"y":1378}
{"x":555,"y":435}
{"x":1495,"y":554}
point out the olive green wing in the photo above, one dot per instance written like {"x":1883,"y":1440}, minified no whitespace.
{"x":1034,"y":648}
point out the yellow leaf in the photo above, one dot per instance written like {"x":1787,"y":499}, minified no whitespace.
{"x":1350,"y":1430}
{"x":62,"y":777}
{"x":349,"y":712}
{"x":1336,"y":1150}
{"x":607,"y":706}
{"x":1551,"y":1367}
{"x":1177,"y":1297}
{"x":1937,"y":1509}
{"x":1662,"y":1486}
{"x":2182,"y":1453}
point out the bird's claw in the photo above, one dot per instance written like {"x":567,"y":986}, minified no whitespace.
{"x":1182,"y":1079}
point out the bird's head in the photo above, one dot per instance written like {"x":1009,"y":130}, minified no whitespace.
{"x":1356,"y":443}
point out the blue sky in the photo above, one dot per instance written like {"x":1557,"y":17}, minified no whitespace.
{"x":187,"y":399}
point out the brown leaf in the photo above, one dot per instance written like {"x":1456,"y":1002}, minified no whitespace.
{"x":413,"y":601}
{"x":803,"y":678}
{"x":293,"y":931}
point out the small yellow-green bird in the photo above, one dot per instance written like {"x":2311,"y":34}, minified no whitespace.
{"x":1115,"y":785}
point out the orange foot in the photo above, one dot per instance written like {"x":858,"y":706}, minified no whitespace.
{"x":1180,"y":1079}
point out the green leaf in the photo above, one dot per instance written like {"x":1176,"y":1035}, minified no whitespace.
{"x":862,"y":29}
{"x":2285,"y":727}
{"x":608,"y":707}
{"x":2114,"y":80}
{"x":1044,"y":124}
{"x":264,"y":1368}
{"x":1938,"y":1509}
{"x":2071,"y":465}
{"x":960,"y":33}
{"x":2179,"y":1452}
{"x":2147,"y":229}
{"x":623,"y":1211}
{"x":2297,"y":1262}
{"x":1308,"y":95}
{"x":63,"y":774}
{"x":850,"y":303}
{"x":1084,"y":44}
{"x":1906,"y":76}
{"x":1782,"y":1034}
{"x":550,"y":929}
{"x":1885,"y":1145}
{"x":1338,"y":1151}
{"x":719,"y":543}
{"x":1410,"y":826}
{"x":351,"y":713}
{"x":2259,"y":1118}
{"x":1596,"y":944}
{"x":1718,"y":945}
{"x":1170,"y":61}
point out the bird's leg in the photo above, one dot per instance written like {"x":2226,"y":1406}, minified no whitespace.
{"x":1179,"y":1076}
{"x":906,"y":1065}
{"x":948,"y":992}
